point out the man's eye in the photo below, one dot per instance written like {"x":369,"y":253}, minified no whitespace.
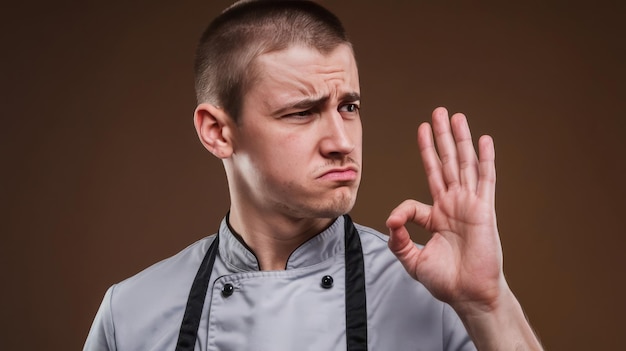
{"x":300,"y":114}
{"x":349,"y":108}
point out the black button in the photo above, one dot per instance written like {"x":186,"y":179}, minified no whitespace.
{"x":228,"y":289}
{"x":327,"y":282}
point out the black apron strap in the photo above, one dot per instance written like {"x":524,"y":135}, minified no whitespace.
{"x":193,"y":312}
{"x":356,"y":309}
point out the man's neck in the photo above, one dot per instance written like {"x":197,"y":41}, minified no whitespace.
{"x":272,"y":239}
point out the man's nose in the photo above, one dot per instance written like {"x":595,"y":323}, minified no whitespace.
{"x":337,"y":137}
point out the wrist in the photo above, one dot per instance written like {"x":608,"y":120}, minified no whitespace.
{"x":498,"y":325}
{"x":487,"y":301}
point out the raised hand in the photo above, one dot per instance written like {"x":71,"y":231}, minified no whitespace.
{"x":462,"y":262}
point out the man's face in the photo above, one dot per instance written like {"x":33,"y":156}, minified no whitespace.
{"x":297,"y":148}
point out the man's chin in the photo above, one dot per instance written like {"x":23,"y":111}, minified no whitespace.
{"x":336,"y":208}
{"x":324,"y":205}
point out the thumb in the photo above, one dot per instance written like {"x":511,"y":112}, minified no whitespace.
{"x":404,"y":249}
{"x":400,"y":242}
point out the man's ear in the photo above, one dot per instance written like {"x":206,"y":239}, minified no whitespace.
{"x":214,"y":128}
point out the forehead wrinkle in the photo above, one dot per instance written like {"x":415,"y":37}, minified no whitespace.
{"x":334,"y":83}
{"x":284,"y":87}
{"x":299,"y":80}
{"x":297,"y":94}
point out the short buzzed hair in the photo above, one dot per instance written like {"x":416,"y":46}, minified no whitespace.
{"x":224,"y":68}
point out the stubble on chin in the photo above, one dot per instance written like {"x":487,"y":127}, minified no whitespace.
{"x":334,"y":207}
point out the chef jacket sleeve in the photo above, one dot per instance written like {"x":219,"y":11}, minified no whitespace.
{"x":102,"y":333}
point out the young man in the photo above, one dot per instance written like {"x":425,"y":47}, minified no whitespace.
{"x":278,"y":103}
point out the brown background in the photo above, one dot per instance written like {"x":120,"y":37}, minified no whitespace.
{"x":102,"y":173}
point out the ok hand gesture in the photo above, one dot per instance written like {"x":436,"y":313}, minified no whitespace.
{"x":462,"y":262}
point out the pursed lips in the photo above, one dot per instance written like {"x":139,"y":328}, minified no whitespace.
{"x":340,"y":174}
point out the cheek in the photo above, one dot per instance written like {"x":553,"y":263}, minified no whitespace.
{"x":285,"y":157}
{"x":293,"y":153}
{"x":357,"y":137}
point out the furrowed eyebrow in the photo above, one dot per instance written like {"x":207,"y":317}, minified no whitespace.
{"x":308,"y":103}
{"x":303,"y":104}
{"x":350,"y":97}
